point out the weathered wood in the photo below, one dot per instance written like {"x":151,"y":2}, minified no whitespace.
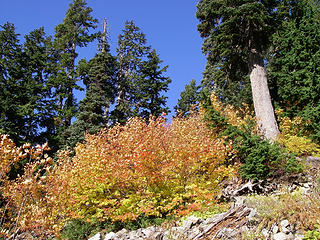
{"x":232,"y":217}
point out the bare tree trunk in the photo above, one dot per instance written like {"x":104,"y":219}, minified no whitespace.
{"x":261,"y":96}
{"x":104,"y":36}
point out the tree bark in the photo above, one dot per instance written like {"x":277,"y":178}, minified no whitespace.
{"x":261,"y":96}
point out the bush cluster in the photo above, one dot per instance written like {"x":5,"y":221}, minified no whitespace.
{"x":259,"y":158}
{"x":142,"y":169}
{"x":294,"y":137}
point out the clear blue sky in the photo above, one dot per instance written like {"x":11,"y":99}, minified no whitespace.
{"x":170,"y":27}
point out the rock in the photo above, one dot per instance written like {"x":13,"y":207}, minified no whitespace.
{"x":265,"y":232}
{"x":135,"y":235}
{"x":275,"y":229}
{"x":282,"y":236}
{"x":148,"y":231}
{"x":239,"y":200}
{"x":286,"y":230}
{"x":157,"y":236}
{"x":122,"y":233}
{"x":174,"y":233}
{"x":226,"y":233}
{"x":110,"y":236}
{"x":284,"y":223}
{"x":285,"y":226}
{"x":96,"y":237}
{"x":299,"y":237}
{"x":151,"y":232}
{"x":252,"y":213}
{"x":190,"y":222}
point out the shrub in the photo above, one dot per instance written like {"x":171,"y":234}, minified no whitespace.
{"x":312,"y":234}
{"x":151,"y":169}
{"x":142,"y":170}
{"x":259,"y":158}
{"x":294,"y":138}
{"x":19,"y":195}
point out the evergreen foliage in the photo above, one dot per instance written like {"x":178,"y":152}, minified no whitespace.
{"x":189,"y":98}
{"x":131,"y":50}
{"x":294,"y":66}
{"x":140,"y":81}
{"x":259,"y":158}
{"x":72,"y":33}
{"x":231,"y":29}
{"x":26,"y":109}
{"x":150,"y":87}
{"x":11,"y":72}
{"x":99,"y":76}
{"x":237,"y":36}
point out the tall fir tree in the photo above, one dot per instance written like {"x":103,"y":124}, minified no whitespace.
{"x":11,"y":57}
{"x":99,"y":77}
{"x":140,"y":82}
{"x":25,"y":69}
{"x":189,"y":98}
{"x":75,"y":31}
{"x":237,"y":35}
{"x":151,"y":85}
{"x":38,"y":110}
{"x":131,"y":51}
{"x":294,"y":66}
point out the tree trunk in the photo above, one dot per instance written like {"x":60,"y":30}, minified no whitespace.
{"x":261,"y":96}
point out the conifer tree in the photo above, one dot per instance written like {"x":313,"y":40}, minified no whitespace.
{"x":10,"y":73}
{"x":131,"y":51}
{"x":25,"y":69}
{"x":189,"y":98}
{"x":99,"y":77}
{"x":38,"y":109}
{"x":239,"y":32}
{"x":151,"y":86}
{"x":140,"y":81}
{"x":72,"y":33}
{"x":294,"y":66}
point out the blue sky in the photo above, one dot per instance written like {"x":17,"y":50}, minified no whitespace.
{"x":170,"y":27}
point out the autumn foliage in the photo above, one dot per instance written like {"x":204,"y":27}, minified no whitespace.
{"x":140,"y":169}
{"x":19,"y":198}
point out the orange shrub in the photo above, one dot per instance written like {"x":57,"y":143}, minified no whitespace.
{"x":19,"y":196}
{"x":150,"y":169}
{"x":139,"y":169}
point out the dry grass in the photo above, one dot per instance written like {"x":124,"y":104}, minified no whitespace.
{"x":301,"y":209}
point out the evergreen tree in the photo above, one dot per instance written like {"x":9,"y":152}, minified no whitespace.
{"x":72,"y":33}
{"x":151,"y":85}
{"x":140,"y":82}
{"x":231,"y":85}
{"x":294,"y":67}
{"x":25,"y":107}
{"x":131,"y":51}
{"x":11,"y":58}
{"x":36,"y":105}
{"x":99,"y":77}
{"x":189,"y":98}
{"x":237,"y":35}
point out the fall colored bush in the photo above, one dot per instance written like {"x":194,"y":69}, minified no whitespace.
{"x":293,"y":136}
{"x":259,"y":158}
{"x":153,"y":168}
{"x":18,"y":196}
